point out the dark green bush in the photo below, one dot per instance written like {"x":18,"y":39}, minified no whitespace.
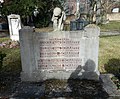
{"x":2,"y":55}
{"x":116,"y":81}
{"x":113,"y":66}
{"x":12,"y":62}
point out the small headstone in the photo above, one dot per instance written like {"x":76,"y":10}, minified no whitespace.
{"x":14,"y":26}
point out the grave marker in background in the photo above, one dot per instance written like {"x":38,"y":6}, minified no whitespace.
{"x":14,"y":26}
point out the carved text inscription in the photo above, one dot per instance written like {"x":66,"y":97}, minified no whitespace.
{"x":59,"y":54}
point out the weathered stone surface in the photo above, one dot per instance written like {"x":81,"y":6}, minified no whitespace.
{"x":60,"y":54}
{"x":109,"y":87}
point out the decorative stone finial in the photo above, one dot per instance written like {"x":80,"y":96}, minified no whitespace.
{"x":58,"y":18}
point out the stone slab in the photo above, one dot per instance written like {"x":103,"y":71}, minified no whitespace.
{"x":59,"y":54}
{"x":105,"y":88}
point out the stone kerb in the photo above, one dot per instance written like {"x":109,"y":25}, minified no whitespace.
{"x":59,"y":54}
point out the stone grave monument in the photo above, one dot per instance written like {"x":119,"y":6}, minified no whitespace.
{"x":59,"y":54}
{"x":58,"y":19}
{"x":14,"y":26}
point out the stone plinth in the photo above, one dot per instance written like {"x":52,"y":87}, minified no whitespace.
{"x":59,"y":54}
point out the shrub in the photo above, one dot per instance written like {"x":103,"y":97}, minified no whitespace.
{"x":12,"y":62}
{"x":113,"y":66}
{"x":2,"y":55}
{"x":116,"y":81}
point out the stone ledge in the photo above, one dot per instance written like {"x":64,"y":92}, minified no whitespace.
{"x":38,"y":76}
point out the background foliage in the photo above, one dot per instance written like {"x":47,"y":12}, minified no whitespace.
{"x":25,"y":9}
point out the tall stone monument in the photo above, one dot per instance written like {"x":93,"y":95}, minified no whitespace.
{"x":59,"y":54}
{"x":14,"y":26}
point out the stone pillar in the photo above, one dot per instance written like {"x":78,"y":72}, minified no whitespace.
{"x":92,"y":33}
{"x":27,"y":53}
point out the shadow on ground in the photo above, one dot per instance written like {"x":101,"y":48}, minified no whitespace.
{"x":88,"y":89}
{"x":75,"y":87}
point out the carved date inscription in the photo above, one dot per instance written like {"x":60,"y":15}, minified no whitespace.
{"x":59,"y":63}
{"x":58,"y":53}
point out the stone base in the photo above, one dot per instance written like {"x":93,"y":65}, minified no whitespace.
{"x":109,"y":87}
{"x":14,"y":37}
{"x":37,"y":76}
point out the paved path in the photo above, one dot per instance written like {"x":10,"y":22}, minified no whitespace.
{"x":110,"y":33}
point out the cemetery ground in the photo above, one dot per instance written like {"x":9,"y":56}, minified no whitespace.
{"x":111,"y":26}
{"x":10,"y":68}
{"x":10,"y":62}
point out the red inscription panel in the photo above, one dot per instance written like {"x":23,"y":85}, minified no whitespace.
{"x":58,"y":54}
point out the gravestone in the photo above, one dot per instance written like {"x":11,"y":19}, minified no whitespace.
{"x":59,"y":54}
{"x":14,"y":26}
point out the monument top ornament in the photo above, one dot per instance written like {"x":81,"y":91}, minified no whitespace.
{"x":1,"y":1}
{"x":58,"y":19}
{"x":57,"y":11}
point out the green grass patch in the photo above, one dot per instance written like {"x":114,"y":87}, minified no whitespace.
{"x":11,"y":62}
{"x":4,"y":39}
{"x":109,"y":54}
{"x":111,"y":26}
